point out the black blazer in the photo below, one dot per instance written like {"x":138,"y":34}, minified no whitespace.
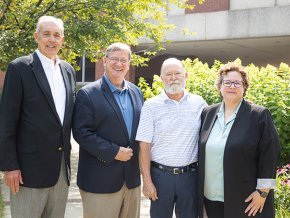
{"x":251,"y":152}
{"x":32,"y":137}
{"x":100,"y":130}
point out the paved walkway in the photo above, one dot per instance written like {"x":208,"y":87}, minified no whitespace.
{"x":74,"y":206}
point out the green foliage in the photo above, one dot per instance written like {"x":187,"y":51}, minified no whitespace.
{"x":282,"y":193}
{"x":269,"y":87}
{"x":90,"y":25}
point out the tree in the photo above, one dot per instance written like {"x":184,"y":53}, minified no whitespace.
{"x":90,"y":25}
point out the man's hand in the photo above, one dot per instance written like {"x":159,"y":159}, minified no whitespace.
{"x":124,"y":154}
{"x":13,"y":179}
{"x":257,"y":203}
{"x":150,"y":191}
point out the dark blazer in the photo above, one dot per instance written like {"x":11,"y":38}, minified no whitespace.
{"x":32,"y":137}
{"x":251,"y":152}
{"x":100,"y":130}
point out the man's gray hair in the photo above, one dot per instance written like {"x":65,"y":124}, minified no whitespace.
{"x":118,"y":46}
{"x":50,"y":19}
{"x":172,"y":61}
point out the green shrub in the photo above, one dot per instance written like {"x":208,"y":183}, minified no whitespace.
{"x":282,"y":193}
{"x":269,"y":87}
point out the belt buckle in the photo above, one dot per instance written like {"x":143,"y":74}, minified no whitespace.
{"x":176,"y":171}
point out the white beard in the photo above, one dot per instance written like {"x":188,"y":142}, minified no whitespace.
{"x":174,"y":88}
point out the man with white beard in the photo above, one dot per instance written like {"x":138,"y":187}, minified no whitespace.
{"x":168,"y":132}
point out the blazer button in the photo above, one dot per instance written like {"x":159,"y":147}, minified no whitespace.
{"x":60,"y":148}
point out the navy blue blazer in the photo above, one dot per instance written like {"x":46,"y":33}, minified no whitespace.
{"x":100,"y":130}
{"x":32,"y":137}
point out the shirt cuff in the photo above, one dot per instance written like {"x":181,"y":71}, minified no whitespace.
{"x":266,"y":184}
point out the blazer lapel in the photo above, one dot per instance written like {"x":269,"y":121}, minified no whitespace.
{"x":211,"y":119}
{"x":135,"y":105}
{"x":111,"y":99}
{"x":68,"y":90}
{"x":243,"y":107}
{"x":43,"y":82}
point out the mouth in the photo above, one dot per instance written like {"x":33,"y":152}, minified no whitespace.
{"x":118,"y":69}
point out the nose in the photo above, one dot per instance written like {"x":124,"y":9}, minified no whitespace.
{"x":51,"y":38}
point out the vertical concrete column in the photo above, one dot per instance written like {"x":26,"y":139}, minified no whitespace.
{"x":2,"y":77}
{"x":99,"y":69}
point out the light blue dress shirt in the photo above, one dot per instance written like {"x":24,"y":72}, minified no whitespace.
{"x":214,"y":155}
{"x":124,"y":101}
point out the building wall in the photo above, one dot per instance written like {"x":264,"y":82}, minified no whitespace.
{"x":233,"y":19}
{"x":248,"y":4}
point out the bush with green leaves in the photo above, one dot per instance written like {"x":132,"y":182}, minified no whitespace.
{"x":269,"y":87}
{"x":282,"y":193}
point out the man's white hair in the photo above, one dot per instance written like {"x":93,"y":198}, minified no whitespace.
{"x":172,"y":61}
{"x":50,"y":19}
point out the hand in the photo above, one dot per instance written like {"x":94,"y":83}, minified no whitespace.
{"x":149,"y":191}
{"x":256,"y":205}
{"x":124,"y":154}
{"x":13,"y":179}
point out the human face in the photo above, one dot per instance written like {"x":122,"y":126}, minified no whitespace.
{"x":174,"y":78}
{"x":49,"y":39}
{"x":232,"y":94}
{"x":116,"y":66}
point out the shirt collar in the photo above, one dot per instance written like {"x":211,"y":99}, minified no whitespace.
{"x":222,"y":107}
{"x":165,"y":97}
{"x":222,"y":111}
{"x":113,"y":88}
{"x":45,"y":60}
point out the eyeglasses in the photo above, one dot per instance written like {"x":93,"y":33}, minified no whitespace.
{"x":237,"y":84}
{"x":116,"y":60}
{"x":175,"y":73}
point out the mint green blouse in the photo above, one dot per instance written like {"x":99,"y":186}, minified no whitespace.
{"x":214,"y":154}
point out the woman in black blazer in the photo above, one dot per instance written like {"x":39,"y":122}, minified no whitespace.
{"x":238,"y":153}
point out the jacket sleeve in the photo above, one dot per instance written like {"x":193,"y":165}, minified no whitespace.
{"x":10,"y":109}
{"x":268,"y":148}
{"x":84,"y":131}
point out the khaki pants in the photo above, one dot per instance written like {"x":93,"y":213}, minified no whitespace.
{"x":41,"y":202}
{"x":122,"y":204}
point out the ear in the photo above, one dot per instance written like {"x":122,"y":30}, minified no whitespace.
{"x":161,"y":76}
{"x":104,"y":62}
{"x":35,"y":35}
{"x":186,"y":75}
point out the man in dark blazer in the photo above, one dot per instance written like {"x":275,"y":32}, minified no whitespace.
{"x":35,"y":126}
{"x":105,"y":122}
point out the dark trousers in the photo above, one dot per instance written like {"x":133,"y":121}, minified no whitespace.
{"x":177,"y":191}
{"x":214,"y":209}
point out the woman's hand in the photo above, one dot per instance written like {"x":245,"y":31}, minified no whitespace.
{"x":256,"y":203}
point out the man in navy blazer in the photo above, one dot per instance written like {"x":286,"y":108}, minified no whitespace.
{"x":105,"y":122}
{"x":35,"y":126}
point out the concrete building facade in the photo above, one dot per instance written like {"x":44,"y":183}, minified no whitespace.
{"x":256,"y":31}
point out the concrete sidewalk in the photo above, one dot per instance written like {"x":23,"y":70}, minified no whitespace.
{"x":74,"y":205}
